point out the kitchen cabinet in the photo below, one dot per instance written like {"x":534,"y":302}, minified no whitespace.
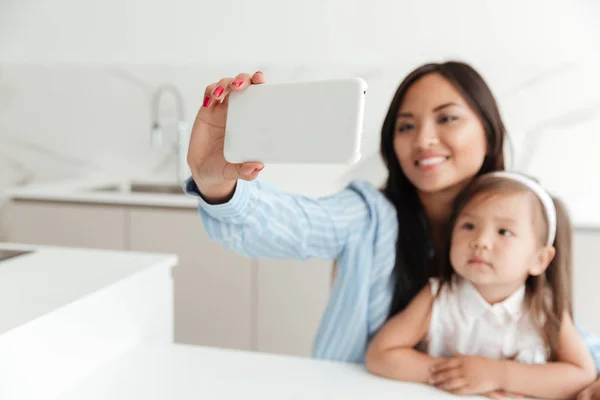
{"x":291,"y":299}
{"x":221,"y":298}
{"x":213,"y":285}
{"x":586,"y":278}
{"x":100,"y":226}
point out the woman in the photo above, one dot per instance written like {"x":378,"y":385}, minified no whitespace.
{"x":442,"y":129}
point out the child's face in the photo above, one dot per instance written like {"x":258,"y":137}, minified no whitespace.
{"x":495,"y":241}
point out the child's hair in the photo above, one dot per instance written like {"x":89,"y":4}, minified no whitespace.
{"x":548,"y":295}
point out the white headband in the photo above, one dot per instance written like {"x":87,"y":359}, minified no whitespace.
{"x":541,"y":193}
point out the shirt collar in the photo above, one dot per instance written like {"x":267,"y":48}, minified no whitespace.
{"x":474,"y":305}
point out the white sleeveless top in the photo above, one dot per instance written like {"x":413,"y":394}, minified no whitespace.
{"x":463,"y":323}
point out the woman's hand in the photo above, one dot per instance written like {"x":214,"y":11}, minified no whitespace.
{"x":467,"y":375}
{"x":214,"y":176}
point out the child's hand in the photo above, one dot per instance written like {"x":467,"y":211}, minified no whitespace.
{"x":591,"y":392}
{"x":466,"y":375}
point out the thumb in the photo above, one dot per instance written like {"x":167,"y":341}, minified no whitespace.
{"x":249,"y":171}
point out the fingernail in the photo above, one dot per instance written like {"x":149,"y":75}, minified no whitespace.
{"x":238,"y":82}
{"x":259,"y":169}
{"x":218,"y":91}
{"x":206,"y":102}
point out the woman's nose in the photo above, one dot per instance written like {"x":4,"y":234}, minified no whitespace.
{"x":426,"y":137}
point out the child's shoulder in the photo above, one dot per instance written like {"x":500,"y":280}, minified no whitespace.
{"x":440,"y":288}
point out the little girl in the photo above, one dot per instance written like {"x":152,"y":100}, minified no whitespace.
{"x":499,"y":315}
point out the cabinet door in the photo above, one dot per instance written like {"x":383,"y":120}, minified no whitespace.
{"x":292,"y":296}
{"x":67,"y":224}
{"x":213,"y":285}
{"x":586,"y":273}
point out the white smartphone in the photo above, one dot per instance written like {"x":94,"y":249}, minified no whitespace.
{"x":313,"y":122}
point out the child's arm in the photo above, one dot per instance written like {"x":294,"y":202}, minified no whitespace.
{"x":391,"y":353}
{"x":573,"y":371}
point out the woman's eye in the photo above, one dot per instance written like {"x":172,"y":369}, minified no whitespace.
{"x":446,"y":118}
{"x":405,"y":127}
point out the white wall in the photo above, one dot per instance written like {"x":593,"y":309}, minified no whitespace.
{"x":76,"y":77}
{"x":379,"y":32}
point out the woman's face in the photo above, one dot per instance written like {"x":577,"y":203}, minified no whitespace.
{"x":439,"y":140}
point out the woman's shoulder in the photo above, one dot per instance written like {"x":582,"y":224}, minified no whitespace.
{"x":369,"y":210}
{"x":366,"y":187}
{"x":372,"y":196}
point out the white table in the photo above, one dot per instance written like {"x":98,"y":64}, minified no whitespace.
{"x":65,"y":312}
{"x":50,"y":277}
{"x":177,"y":372}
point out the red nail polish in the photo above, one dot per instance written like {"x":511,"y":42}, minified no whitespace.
{"x":218,"y":91}
{"x":206,"y":102}
{"x":259,"y":169}
{"x":238,"y":82}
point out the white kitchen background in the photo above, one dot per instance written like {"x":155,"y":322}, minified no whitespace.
{"x":76,"y":80}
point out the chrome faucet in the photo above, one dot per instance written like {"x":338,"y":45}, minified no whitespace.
{"x":156,"y":135}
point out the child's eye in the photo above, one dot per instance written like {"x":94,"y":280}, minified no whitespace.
{"x":505,"y":232}
{"x":446,"y":118}
{"x":468,"y":226}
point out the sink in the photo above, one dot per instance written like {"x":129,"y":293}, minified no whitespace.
{"x":7,"y":254}
{"x":142,"y":187}
{"x":169,"y":188}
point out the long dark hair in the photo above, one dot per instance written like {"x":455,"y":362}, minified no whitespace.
{"x":412,"y":247}
{"x":549,"y":295}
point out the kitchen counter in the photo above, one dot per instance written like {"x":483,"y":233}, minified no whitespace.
{"x":309,"y":180}
{"x":49,"y":278}
{"x":161,"y":372}
{"x":65,"y":312}
{"x":93,"y":191}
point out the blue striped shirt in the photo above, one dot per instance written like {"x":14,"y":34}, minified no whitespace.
{"x":357,"y":226}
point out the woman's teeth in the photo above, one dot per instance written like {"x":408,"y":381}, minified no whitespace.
{"x":431,"y":161}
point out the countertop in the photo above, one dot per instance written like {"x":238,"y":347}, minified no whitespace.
{"x":172,"y":371}
{"x":85,"y":190}
{"x":34,"y":284}
{"x":584,"y":214}
{"x":309,"y":180}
